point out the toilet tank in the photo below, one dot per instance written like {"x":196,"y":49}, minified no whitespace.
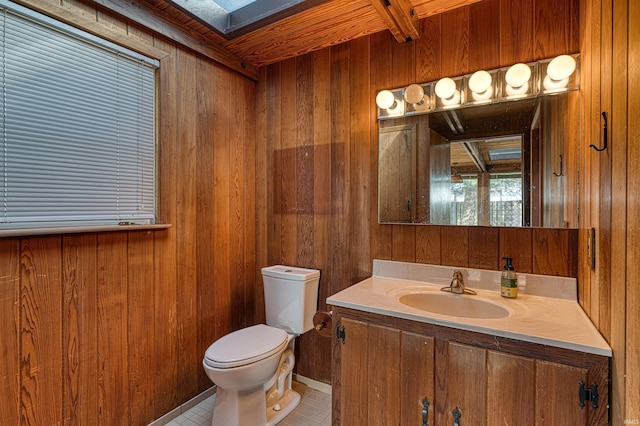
{"x":290,"y":297}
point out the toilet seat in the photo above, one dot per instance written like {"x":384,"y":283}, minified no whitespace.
{"x":246,"y":346}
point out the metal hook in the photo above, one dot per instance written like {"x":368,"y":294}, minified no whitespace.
{"x":561,"y":173}
{"x":604,"y":146}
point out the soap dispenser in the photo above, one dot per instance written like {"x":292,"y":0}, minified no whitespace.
{"x":508,"y":280}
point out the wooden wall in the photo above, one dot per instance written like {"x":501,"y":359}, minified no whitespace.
{"x":319,"y":129}
{"x":111,"y":328}
{"x":610,"y":191}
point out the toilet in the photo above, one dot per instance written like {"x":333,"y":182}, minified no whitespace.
{"x":252,"y":367}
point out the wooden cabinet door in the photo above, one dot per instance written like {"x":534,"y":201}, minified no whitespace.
{"x":417,"y":378}
{"x":382,"y":376}
{"x":510,"y":387}
{"x":367,"y":375}
{"x":556,"y":394}
{"x":350,"y":374}
{"x":461,"y":384}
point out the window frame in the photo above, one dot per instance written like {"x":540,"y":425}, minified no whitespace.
{"x":119,"y":50}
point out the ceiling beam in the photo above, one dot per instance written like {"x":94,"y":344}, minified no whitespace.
{"x":399,"y":17}
{"x":474,"y":152}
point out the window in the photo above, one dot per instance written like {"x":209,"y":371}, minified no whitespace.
{"x":504,"y":202}
{"x":78,"y":122}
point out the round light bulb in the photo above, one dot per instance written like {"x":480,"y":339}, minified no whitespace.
{"x":445,"y":88}
{"x":517,"y":75}
{"x":550,"y":84}
{"x":480,"y":81}
{"x":561,"y":67}
{"x":385,"y":99}
{"x":517,"y":91}
{"x":414,"y":94}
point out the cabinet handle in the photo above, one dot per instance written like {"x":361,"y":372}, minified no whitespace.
{"x":456,"y":416}
{"x":425,"y":411}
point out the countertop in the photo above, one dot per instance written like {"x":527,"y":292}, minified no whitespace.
{"x":546,"y":310}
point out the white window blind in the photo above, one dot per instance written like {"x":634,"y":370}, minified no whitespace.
{"x":78,"y":122}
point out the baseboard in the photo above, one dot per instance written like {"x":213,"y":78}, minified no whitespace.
{"x":184,"y":407}
{"x":313,"y":384}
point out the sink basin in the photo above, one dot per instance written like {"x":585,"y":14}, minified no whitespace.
{"x":453,"y":305}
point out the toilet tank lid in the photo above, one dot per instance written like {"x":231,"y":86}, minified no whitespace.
{"x":290,"y":272}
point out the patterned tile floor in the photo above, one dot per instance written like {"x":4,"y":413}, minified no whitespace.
{"x":314,"y":410}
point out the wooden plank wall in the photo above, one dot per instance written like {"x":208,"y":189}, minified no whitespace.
{"x":610,"y":191}
{"x":110,"y":328}
{"x":320,"y":130}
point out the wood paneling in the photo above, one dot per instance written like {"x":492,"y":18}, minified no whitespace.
{"x":346,"y":147}
{"x":506,"y":373}
{"x":417,"y":361}
{"x":111,"y":328}
{"x":77,"y":357}
{"x":383,"y":384}
{"x":632,"y":303}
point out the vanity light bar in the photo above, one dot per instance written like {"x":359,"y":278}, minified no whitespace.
{"x":518,"y":81}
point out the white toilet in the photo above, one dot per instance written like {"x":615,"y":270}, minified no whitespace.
{"x":252,"y":366}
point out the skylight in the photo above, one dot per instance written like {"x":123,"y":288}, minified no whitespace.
{"x":232,"y":5}
{"x":505,"y":154}
{"x":232,"y":18}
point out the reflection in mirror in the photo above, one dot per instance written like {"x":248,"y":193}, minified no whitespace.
{"x":504,"y":164}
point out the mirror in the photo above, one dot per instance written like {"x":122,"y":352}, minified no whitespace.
{"x":512,"y":163}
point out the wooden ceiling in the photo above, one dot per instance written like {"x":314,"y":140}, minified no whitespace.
{"x":330,"y":23}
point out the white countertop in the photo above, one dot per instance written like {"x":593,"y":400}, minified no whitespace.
{"x":545,"y":312}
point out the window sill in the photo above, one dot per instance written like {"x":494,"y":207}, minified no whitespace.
{"x":25,"y":232}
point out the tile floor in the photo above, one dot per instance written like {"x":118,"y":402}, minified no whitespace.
{"x":314,"y":410}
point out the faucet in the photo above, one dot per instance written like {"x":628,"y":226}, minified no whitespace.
{"x":457,"y":284}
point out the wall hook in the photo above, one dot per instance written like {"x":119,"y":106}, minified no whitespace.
{"x":604,"y":146}
{"x":561,"y":172}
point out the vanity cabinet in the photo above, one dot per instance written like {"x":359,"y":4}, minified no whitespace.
{"x":392,"y":371}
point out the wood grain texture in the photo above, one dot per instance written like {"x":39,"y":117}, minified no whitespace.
{"x":79,"y":328}
{"x":508,"y":378}
{"x":10,"y":320}
{"x":113,"y":348}
{"x":40,"y":332}
{"x":362,"y":112}
{"x":455,"y":245}
{"x":484,"y":252}
{"x":484,"y":35}
{"x":186,"y":220}
{"x":513,"y":382}
{"x":518,"y":245}
{"x":562,"y":379}
{"x":632,"y":302}
{"x":355,"y":386}
{"x":383,"y":384}
{"x":455,"y":363}
{"x":140,"y":342}
{"x":111,"y":328}
{"x":516,"y":32}
{"x":204,"y":177}
{"x":417,"y":379}
{"x":455,"y":42}
{"x":344,"y":187}
{"x":345,"y":141}
{"x":165,"y":279}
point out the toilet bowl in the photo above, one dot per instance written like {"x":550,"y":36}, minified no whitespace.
{"x":252,"y":367}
